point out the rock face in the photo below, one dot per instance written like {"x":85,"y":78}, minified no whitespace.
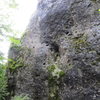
{"x":59,"y":58}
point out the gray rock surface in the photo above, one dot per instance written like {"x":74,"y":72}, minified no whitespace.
{"x":65,"y":34}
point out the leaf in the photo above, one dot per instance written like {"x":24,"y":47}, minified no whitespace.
{"x":14,"y":40}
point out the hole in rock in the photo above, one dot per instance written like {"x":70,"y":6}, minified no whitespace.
{"x":54,"y":47}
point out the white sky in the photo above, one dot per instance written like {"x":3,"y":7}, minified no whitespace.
{"x":20,"y":18}
{"x":23,"y":14}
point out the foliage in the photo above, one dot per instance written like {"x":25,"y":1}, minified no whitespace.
{"x":20,"y":60}
{"x":3,"y":80}
{"x":6,"y":7}
{"x":21,"y":97}
{"x":55,"y":71}
{"x":14,"y":40}
{"x":13,"y":64}
{"x":8,"y":34}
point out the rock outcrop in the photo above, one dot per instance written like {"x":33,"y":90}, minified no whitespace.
{"x":59,"y":58}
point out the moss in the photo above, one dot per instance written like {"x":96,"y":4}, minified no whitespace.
{"x":55,"y":75}
{"x":20,"y":57}
{"x":14,"y":64}
{"x":80,"y":43}
{"x":53,"y":89}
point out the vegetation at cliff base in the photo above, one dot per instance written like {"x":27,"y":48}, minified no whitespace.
{"x":3,"y":82}
{"x":7,"y":35}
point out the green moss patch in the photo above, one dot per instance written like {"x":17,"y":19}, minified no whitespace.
{"x":80,"y":43}
{"x":55,"y":76}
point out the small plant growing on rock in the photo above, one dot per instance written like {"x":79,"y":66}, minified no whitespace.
{"x":20,"y":58}
{"x":55,"y":74}
{"x":55,"y":71}
{"x":80,"y":43}
{"x":16,"y":64}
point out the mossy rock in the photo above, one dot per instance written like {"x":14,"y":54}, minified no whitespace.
{"x":19,"y":58}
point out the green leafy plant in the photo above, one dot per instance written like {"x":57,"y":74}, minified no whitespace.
{"x":19,"y":60}
{"x":14,"y":40}
{"x":55,"y":71}
{"x":17,"y":63}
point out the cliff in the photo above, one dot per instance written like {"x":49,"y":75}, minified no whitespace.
{"x":59,"y":58}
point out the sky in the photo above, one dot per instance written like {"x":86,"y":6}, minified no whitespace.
{"x":20,"y":18}
{"x":23,"y":14}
